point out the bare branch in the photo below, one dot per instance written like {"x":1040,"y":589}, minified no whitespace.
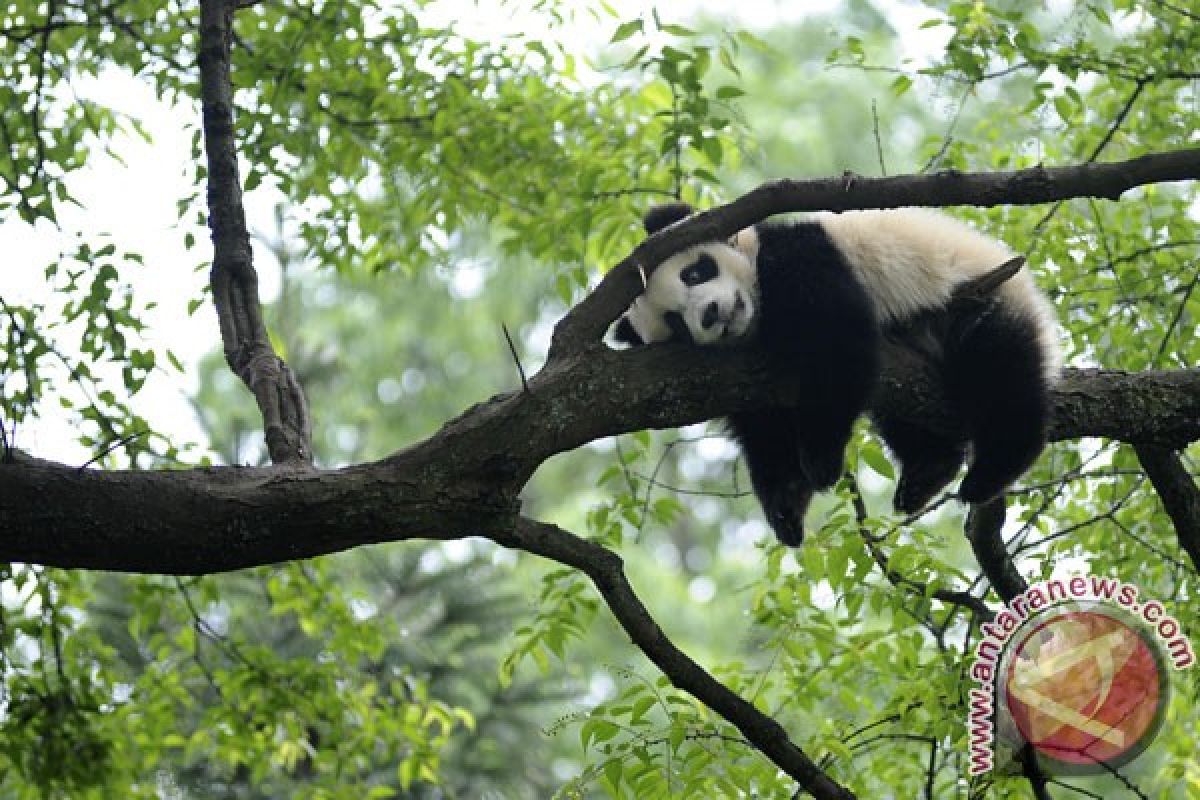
{"x":590,"y":319}
{"x":984,"y":528}
{"x":234,"y":281}
{"x":465,"y":479}
{"x":1179,"y":494}
{"x":985,"y":525}
{"x":607,"y":573}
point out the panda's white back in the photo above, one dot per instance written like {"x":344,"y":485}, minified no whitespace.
{"x":910,"y":259}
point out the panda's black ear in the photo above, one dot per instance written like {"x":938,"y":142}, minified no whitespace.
{"x":660,"y":217}
{"x":625,"y":333}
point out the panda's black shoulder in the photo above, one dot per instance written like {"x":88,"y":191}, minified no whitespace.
{"x":786,"y":243}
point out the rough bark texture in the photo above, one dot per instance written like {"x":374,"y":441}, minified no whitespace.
{"x":234,"y":282}
{"x":465,"y":479}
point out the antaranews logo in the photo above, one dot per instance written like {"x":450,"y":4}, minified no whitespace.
{"x":1077,"y":668}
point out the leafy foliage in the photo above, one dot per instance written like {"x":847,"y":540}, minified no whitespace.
{"x":455,"y":185}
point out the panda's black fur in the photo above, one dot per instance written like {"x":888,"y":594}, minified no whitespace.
{"x":816,"y":315}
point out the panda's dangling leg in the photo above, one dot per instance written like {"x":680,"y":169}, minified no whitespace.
{"x":770,"y":444}
{"x":927,"y":461}
{"x":789,"y":456}
{"x":995,"y":381}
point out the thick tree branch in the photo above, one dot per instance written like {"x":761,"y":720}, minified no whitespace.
{"x":985,"y":528}
{"x":234,"y":280}
{"x":607,"y":573}
{"x":465,"y":479}
{"x":1179,"y":494}
{"x":589,"y":320}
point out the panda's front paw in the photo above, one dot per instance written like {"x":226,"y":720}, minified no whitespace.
{"x":784,"y":507}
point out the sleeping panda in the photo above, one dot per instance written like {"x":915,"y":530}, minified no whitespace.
{"x":819,"y":295}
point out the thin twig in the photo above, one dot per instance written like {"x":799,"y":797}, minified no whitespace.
{"x":948,"y":136}
{"x":878,"y":140}
{"x":950,"y":597}
{"x":512,"y":348}
{"x":1076,"y":789}
{"x":124,"y":440}
{"x":1116,"y":773}
{"x":1187,"y":295}
{"x":931,"y":770}
{"x":1140,"y":86}
{"x":1177,"y":9}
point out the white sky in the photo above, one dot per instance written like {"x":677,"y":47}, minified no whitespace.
{"x":135,"y":202}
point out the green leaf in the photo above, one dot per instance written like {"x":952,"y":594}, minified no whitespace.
{"x":625,"y":30}
{"x":677,"y":30}
{"x":613,"y":772}
{"x":605,"y":731}
{"x":640,"y":708}
{"x":875,"y":459}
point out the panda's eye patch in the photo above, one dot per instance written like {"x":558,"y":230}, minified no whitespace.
{"x":704,"y":269}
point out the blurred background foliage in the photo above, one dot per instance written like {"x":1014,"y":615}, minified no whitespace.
{"x":441,"y":172}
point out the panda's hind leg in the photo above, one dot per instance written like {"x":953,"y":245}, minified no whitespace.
{"x":927,"y":461}
{"x":995,"y":381}
{"x":785,"y":466}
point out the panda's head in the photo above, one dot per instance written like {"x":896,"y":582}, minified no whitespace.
{"x":706,"y":294}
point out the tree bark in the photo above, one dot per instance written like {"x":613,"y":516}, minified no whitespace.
{"x":233,"y":279}
{"x":465,"y":479}
{"x":1178,"y":492}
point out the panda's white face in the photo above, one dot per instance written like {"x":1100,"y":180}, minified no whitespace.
{"x":707,"y":293}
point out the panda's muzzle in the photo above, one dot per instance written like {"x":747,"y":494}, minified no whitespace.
{"x":712,"y":312}
{"x":713,"y":317}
